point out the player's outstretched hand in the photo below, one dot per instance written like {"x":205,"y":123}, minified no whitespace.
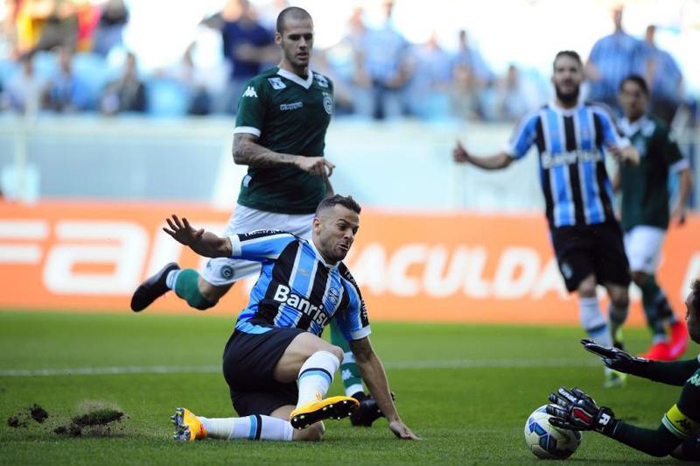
{"x":678,"y":214}
{"x":614,"y":358}
{"x":402,"y":431}
{"x":315,"y":165}
{"x":574,"y":409}
{"x":628,"y":154}
{"x":459,"y":153}
{"x":182,"y":231}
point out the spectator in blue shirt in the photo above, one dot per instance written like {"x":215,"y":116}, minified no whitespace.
{"x":472,"y":77}
{"x":612,"y":59}
{"x":664,"y":77}
{"x":383,"y":68}
{"x":65,"y":92}
{"x":247,"y":45}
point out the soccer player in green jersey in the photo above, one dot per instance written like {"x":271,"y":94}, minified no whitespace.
{"x":280,"y":135}
{"x":679,"y":432}
{"x":645,"y":210}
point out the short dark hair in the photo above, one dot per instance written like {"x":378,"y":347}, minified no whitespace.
{"x":294,"y":12}
{"x":567,"y":53}
{"x":638,"y":80}
{"x":345,"y":201}
{"x":695,"y":289}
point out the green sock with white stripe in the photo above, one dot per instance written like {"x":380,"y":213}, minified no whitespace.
{"x":349,"y":371}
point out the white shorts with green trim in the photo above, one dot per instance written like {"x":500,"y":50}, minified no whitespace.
{"x":224,"y":271}
{"x":643,"y":248}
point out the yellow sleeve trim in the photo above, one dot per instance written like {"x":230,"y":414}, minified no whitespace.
{"x":679,"y":424}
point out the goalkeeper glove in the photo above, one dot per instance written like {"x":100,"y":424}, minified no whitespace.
{"x":573,"y":409}
{"x":615,"y":358}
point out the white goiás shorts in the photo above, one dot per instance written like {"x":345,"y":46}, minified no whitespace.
{"x":224,"y":271}
{"x":643,"y":248}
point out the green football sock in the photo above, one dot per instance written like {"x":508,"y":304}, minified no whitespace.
{"x":349,"y":371}
{"x":187,"y":288}
{"x":656,"y":307}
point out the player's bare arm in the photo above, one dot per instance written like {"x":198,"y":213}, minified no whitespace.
{"x":202,"y":242}
{"x":686,"y":183}
{"x":374,"y":375}
{"x":329,"y":187}
{"x":493,"y":162}
{"x":246,"y":151}
{"x":616,"y":181}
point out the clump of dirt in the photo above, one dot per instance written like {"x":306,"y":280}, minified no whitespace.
{"x":16,"y":421}
{"x":38,"y":413}
{"x":99,"y":422}
{"x":22,"y":418}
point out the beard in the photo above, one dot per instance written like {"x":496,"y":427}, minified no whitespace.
{"x":568,"y":98}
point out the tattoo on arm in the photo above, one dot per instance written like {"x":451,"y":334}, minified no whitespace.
{"x":247,"y":152}
{"x":329,"y":187}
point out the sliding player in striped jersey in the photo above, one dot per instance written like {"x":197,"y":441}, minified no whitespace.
{"x":571,"y":137}
{"x":280,"y":135}
{"x":276,"y":365}
{"x":679,"y":432}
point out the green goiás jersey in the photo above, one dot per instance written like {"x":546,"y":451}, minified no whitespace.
{"x":290,"y":115}
{"x":645,"y":193}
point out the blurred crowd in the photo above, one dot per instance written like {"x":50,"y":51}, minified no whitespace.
{"x":61,"y":54}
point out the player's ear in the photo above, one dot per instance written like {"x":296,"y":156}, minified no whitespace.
{"x":278,"y":38}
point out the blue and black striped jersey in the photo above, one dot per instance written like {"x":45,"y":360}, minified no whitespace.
{"x":570,"y":143}
{"x":296,"y":288}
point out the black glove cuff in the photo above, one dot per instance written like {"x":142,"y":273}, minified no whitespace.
{"x":609,"y":429}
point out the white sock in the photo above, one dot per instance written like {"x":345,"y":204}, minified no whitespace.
{"x":316,"y":375}
{"x":594,"y":322}
{"x":256,"y":427}
{"x":172,"y":278}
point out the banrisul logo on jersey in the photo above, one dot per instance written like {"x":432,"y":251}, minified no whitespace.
{"x":328,"y":103}
{"x":284,"y":294}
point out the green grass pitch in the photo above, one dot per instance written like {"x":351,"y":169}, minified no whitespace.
{"x":466,"y":390}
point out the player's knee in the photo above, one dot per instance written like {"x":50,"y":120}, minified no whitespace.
{"x":586,"y":289}
{"x":313,"y":433}
{"x":211,"y":293}
{"x":620,"y":300}
{"x":639,"y":278}
{"x":337,"y":351}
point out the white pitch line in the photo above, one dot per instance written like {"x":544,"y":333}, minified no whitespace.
{"x":396,"y":365}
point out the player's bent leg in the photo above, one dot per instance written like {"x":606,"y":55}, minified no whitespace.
{"x":619,"y":309}
{"x":153,"y":287}
{"x":315,"y":362}
{"x":186,"y":286}
{"x":210,"y":292}
{"x":298,"y":352}
{"x":350,"y":372}
{"x":368,"y":412}
{"x":313,"y":433}
{"x":592,"y":319}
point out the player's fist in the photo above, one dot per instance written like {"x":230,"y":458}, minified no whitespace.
{"x":574,"y":409}
{"x":314,"y":165}
{"x":459,"y":153}
{"x":614,"y":358}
